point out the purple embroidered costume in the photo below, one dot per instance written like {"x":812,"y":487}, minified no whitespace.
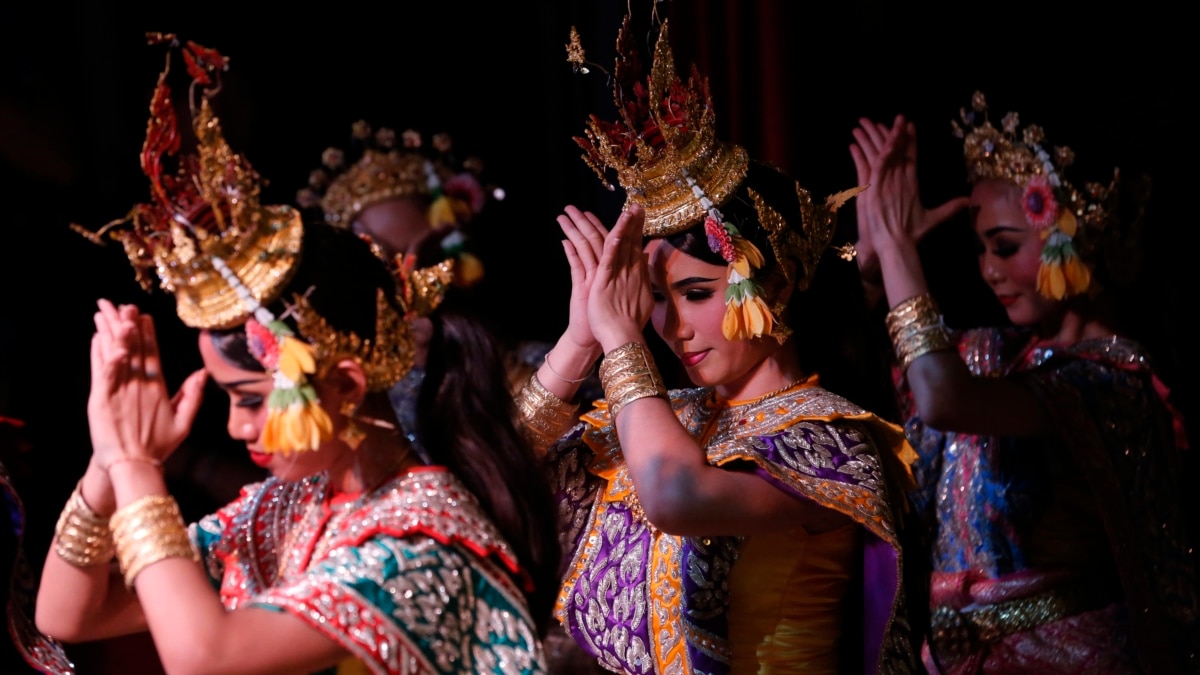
{"x":1065,"y":553}
{"x":643,"y":601}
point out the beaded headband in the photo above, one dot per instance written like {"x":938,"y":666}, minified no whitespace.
{"x":373,"y":168}
{"x":226,"y":257}
{"x":1065,"y":216}
{"x":667,"y":157}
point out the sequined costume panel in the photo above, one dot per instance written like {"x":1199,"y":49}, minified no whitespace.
{"x":642,"y":601}
{"x":1096,"y":507}
{"x":414,"y":579}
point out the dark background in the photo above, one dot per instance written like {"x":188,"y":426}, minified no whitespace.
{"x":789,"y":80}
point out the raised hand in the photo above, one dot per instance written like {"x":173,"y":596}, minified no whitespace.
{"x":620,"y":301}
{"x":130,"y":415}
{"x":583,"y":246}
{"x":865,"y":150}
{"x":886,"y":158}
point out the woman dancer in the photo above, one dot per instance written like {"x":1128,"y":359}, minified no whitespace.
{"x":354,"y":555}
{"x":746,"y":524}
{"x":1047,"y":449}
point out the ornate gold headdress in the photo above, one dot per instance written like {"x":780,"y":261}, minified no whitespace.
{"x":1066,"y":216}
{"x":378,"y":166}
{"x":226,"y":257}
{"x":207,"y":210}
{"x":667,"y":157}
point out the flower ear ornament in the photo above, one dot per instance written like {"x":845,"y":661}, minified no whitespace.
{"x":1062,"y":273}
{"x":746,"y":313}
{"x":295,"y":419}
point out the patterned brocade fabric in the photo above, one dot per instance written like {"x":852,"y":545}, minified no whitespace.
{"x":413,"y":579}
{"x":643,"y":601}
{"x":1098,"y":506}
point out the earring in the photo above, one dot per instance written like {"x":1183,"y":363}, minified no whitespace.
{"x":351,"y":435}
{"x":781,"y":332}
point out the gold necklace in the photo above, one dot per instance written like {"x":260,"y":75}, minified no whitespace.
{"x":771,"y":394}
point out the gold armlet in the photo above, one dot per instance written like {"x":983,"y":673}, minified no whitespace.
{"x":147,"y":531}
{"x":544,"y":416}
{"x":628,"y":373}
{"x":82,"y":537}
{"x":916,"y":329}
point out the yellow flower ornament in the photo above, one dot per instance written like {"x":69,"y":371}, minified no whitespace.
{"x":295,"y":419}
{"x":1062,"y":273}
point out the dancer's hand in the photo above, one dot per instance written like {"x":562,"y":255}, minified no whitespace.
{"x":130,"y":414}
{"x":583,"y":246}
{"x":621,"y":301}
{"x":865,"y":152}
{"x":886,"y":159}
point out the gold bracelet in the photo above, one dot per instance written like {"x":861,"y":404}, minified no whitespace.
{"x":149,"y":530}
{"x":628,"y":373}
{"x":916,"y":329}
{"x":915,"y":312}
{"x":82,"y":537}
{"x":157,"y":463}
{"x":559,"y":375}
{"x":933,"y":339}
{"x":544,"y":417}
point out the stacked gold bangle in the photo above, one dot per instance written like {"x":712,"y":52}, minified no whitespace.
{"x":916,"y":329}
{"x":628,"y":373}
{"x":82,"y":536}
{"x":544,"y":416}
{"x":147,"y":531}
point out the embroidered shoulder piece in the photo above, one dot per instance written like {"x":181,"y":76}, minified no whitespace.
{"x":808,"y":441}
{"x":434,"y":503}
{"x":601,"y":437}
{"x":431,"y":502}
{"x":820,"y":446}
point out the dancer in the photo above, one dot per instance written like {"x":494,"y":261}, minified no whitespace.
{"x":1047,"y":447}
{"x":747,"y":524}
{"x":354,"y":555}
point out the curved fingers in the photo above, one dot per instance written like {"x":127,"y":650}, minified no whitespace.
{"x":592,"y":229}
{"x":186,"y":402}
{"x":623,"y":243}
{"x":130,"y":333}
{"x":586,"y":235}
{"x":910,"y":130}
{"x":151,"y":357}
{"x":871,"y":135}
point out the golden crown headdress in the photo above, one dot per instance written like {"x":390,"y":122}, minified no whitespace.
{"x":667,"y":157}
{"x":667,"y":131}
{"x":1067,"y":217}
{"x":225,"y":257}
{"x":379,"y":165}
{"x":207,"y":210}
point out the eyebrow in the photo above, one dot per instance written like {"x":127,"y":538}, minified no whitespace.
{"x":692,"y":280}
{"x":1000,"y":228}
{"x":239,"y":383}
